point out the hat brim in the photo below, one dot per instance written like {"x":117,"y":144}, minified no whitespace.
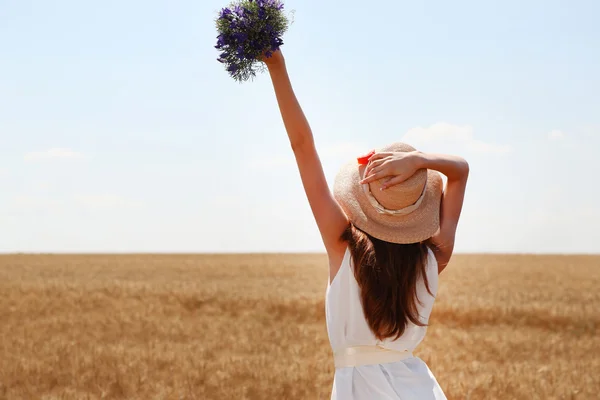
{"x":415,"y":227}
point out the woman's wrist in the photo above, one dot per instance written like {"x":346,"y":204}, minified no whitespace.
{"x":454,"y":167}
{"x":276,"y":67}
{"x":276,"y":61}
{"x":420,"y":159}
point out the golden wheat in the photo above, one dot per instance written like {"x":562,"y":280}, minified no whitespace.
{"x":252,"y":327}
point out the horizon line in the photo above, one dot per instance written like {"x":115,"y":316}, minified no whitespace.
{"x":465,"y":253}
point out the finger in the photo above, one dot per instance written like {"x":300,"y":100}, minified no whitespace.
{"x":375,"y":170}
{"x":393,"y":181}
{"x":374,"y":177}
{"x":380,"y":156}
{"x":372,"y":165}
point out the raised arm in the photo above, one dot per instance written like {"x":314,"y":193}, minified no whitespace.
{"x":456,"y":170}
{"x":329,"y":216}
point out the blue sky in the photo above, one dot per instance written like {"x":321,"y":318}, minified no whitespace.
{"x":120,"y":132}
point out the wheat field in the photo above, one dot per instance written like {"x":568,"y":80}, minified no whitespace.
{"x":253,"y":327}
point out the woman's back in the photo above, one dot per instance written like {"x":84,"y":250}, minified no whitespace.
{"x":407,"y":378}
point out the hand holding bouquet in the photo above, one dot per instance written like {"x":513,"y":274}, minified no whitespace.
{"x":248,"y":31}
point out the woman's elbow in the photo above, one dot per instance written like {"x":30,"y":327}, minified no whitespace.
{"x":465,"y":168}
{"x":301,"y":145}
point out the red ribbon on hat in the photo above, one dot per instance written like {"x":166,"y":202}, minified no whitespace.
{"x":364,"y":160}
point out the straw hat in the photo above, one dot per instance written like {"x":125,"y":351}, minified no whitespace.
{"x":405,"y":213}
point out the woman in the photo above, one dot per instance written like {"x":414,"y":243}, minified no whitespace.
{"x":389,"y":230}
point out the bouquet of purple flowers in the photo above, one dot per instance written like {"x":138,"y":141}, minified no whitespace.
{"x":247,"y":30}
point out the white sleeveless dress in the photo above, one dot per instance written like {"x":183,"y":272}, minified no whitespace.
{"x":406,"y":379}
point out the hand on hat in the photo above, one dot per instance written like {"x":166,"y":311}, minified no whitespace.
{"x":398,"y":167}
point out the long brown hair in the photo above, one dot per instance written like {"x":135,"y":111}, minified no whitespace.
{"x":387,"y":274}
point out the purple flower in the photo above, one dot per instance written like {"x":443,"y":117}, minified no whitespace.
{"x":240,"y":11}
{"x":225,"y":13}
{"x":221,"y":41}
{"x":240,"y":52}
{"x":276,"y":42}
{"x":240,"y":36}
{"x":254,"y":44}
{"x":272,"y":3}
{"x":247,"y":29}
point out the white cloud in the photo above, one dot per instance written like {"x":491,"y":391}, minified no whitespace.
{"x":54,"y":153}
{"x":3,"y":172}
{"x":556,"y":135}
{"x":440,"y":137}
{"x":444,"y":134}
{"x":104,"y":201}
